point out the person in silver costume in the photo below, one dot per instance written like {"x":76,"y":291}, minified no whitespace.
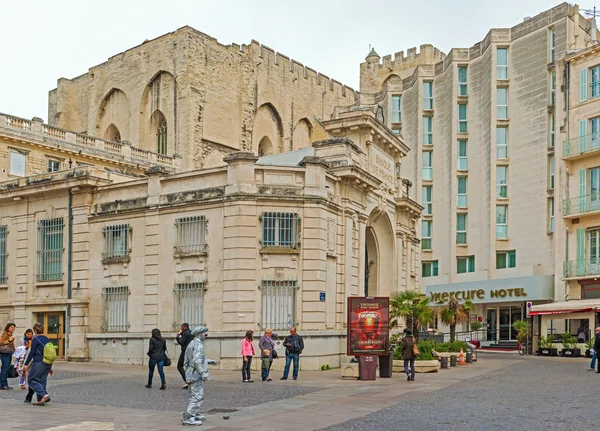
{"x":196,"y":373}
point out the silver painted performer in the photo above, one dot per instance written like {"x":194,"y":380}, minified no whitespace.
{"x":196,"y":373}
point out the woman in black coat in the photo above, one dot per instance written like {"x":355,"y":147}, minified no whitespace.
{"x":157,"y":352}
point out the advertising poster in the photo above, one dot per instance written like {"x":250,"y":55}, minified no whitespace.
{"x":368,"y":326}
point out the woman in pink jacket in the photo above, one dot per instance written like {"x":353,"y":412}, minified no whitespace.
{"x":247,"y":354}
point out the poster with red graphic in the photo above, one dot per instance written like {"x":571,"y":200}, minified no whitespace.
{"x":368,"y":326}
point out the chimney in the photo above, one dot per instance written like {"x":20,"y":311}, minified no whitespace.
{"x":594,"y":31}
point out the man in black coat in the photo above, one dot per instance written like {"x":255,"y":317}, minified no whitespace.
{"x":184,"y":337}
{"x":597,"y":346}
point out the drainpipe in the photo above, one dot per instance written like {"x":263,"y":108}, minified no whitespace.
{"x":566,"y":173}
{"x":69,"y":274}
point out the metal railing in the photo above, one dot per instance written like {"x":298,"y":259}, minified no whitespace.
{"x":115,"y":301}
{"x":581,"y":145}
{"x":581,"y":204}
{"x":190,"y":234}
{"x":115,"y":241}
{"x":280,"y":230}
{"x":3,"y":253}
{"x":189,"y":303}
{"x":278,"y":303}
{"x":581,"y":267}
{"x":50,"y":249}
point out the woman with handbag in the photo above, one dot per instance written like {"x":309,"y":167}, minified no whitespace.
{"x":7,"y":348}
{"x":409,"y":352}
{"x":157,"y":352}
{"x":266,"y":343}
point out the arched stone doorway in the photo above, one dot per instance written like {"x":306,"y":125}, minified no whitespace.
{"x":379,"y":255}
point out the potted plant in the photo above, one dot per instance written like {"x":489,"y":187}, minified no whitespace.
{"x":521,"y":328}
{"x":569,"y":343}
{"x":545,"y":346}
{"x":476,"y":326}
{"x":589,"y":344}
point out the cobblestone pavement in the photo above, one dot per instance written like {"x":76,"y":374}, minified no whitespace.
{"x":534,"y":394}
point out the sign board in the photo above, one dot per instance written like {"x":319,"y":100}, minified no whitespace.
{"x":368,"y":326}
{"x":322,"y":296}
{"x":528,"y":308}
{"x":382,"y":166}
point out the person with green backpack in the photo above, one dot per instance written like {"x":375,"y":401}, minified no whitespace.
{"x":41,"y":357}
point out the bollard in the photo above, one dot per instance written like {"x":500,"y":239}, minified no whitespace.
{"x":469,"y":358}
{"x":453,"y":360}
{"x":444,"y":361}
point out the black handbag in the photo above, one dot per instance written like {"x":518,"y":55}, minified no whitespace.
{"x":275,"y":356}
{"x":168,"y":362}
{"x":12,"y":373}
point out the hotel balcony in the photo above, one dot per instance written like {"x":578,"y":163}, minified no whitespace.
{"x":581,"y":268}
{"x":581,"y":146}
{"x":581,"y":205}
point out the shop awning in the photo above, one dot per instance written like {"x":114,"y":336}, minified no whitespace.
{"x":575,"y":306}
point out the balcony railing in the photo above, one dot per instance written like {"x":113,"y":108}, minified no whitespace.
{"x":581,"y":204}
{"x":581,"y":268}
{"x":581,"y":145}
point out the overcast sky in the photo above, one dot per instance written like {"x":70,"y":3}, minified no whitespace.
{"x":44,"y":40}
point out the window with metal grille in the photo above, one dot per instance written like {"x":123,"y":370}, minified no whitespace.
{"x":190,"y":234}
{"x":3,"y":254}
{"x":115,"y":242}
{"x":50,"y":249}
{"x":115,"y":301}
{"x":280,"y":230}
{"x":278,"y":303}
{"x":189,"y":303}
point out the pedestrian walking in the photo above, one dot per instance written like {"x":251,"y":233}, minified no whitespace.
{"x":157,"y":352}
{"x":266,"y":343}
{"x":184,"y":337}
{"x":594,"y":351}
{"x":38,"y":366}
{"x":247,"y":354}
{"x":7,"y":348}
{"x":408,"y":354}
{"x":294,"y":345}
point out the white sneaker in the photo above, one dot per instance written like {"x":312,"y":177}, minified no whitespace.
{"x":590,"y":369}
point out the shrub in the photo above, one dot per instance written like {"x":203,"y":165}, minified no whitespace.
{"x":568,"y":341}
{"x":451,"y":346}
{"x":546,"y":342}
{"x":476,"y":326}
{"x":521,"y":328}
{"x":425,"y":348}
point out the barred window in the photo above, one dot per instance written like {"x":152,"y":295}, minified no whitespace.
{"x":280,"y":230}
{"x":115,"y":241}
{"x":190,"y":234}
{"x":278,"y":303}
{"x":189,"y":303}
{"x":3,"y":254}
{"x":115,"y":300}
{"x":50,"y":249}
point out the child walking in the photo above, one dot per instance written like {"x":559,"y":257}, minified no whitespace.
{"x":20,"y":355}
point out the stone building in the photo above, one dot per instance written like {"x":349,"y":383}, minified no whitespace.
{"x":482,"y":126}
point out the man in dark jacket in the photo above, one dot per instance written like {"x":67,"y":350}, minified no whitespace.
{"x":597,"y":347}
{"x":294,"y":345}
{"x":184,"y":337}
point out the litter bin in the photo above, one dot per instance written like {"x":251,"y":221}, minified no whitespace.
{"x":453,"y":360}
{"x":469,"y":358}
{"x":385,"y":365}
{"x":367,"y":367}
{"x":444,"y":362}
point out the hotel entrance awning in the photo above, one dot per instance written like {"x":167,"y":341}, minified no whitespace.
{"x":575,"y":306}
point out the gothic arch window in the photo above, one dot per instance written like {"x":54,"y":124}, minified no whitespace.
{"x":112,"y":133}
{"x":265,"y":147}
{"x":158,"y":124}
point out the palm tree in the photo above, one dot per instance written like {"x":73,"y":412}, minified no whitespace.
{"x":414,"y":307}
{"x":454,"y":313}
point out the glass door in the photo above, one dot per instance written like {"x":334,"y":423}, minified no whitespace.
{"x":505,"y":323}
{"x":516,"y":313}
{"x":593,"y":252}
{"x":491,"y":324}
{"x":594,"y":189}
{"x":54,"y":329}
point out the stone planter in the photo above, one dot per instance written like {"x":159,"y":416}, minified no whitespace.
{"x":349,"y":370}
{"x":420,"y":366}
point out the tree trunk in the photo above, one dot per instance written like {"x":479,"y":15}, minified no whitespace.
{"x":416,"y":332}
{"x":452,"y":332}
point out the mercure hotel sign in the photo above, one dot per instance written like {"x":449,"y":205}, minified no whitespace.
{"x":472,"y":295}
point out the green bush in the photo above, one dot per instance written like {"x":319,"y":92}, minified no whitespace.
{"x":476,"y":326}
{"x":569,"y":341}
{"x":546,"y":342}
{"x":425,"y":348}
{"x":452,"y":347}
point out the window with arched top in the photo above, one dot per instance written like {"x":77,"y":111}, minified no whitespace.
{"x":112,"y":133}
{"x":161,"y":137}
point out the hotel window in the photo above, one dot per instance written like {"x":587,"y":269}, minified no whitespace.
{"x":501,"y":222}
{"x":461,"y":162}
{"x":506,"y":259}
{"x":551,"y":215}
{"x":426,"y":198}
{"x":3,"y":253}
{"x":50,"y":249}
{"x":278,"y":300}
{"x":115,"y":240}
{"x":461,"y":198}
{"x":552,"y":41}
{"x":501,"y":142}
{"x":427,"y":171}
{"x":552,"y":131}
{"x":502,"y":103}
{"x":461,"y":229}
{"x":397,"y":131}
{"x":189,"y":303}
{"x":427,"y":131}
{"x":502,"y":63}
{"x":551,"y":169}
{"x":583,"y":85}
{"x":17,"y":164}
{"x":280,"y":230}
{"x":465,"y":264}
{"x":428,"y":95}
{"x":396,"y":109}
{"x":501,"y":182}
{"x":595,"y":84}
{"x":426,"y":234}
{"x":190,"y":234}
{"x":53,"y":165}
{"x":429,"y":269}
{"x":115,"y":302}
{"x":462,"y":80}
{"x":552,"y":87}
{"x":462,"y":118}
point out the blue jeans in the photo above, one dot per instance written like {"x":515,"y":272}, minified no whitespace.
{"x":37,"y":378}
{"x":5,"y":358}
{"x":411,"y":363}
{"x":151,"y":364}
{"x":593,"y":364}
{"x":288,"y":360}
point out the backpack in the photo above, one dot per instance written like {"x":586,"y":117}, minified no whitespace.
{"x":49,"y":353}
